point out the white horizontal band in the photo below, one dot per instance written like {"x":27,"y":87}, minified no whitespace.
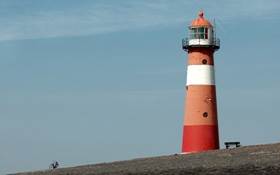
{"x":200,"y":42}
{"x":200,"y":75}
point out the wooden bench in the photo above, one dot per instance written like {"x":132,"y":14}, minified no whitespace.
{"x":228,"y":144}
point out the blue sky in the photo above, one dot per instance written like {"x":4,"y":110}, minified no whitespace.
{"x":95,"y":81}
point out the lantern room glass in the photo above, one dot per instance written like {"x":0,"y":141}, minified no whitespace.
{"x":199,"y":33}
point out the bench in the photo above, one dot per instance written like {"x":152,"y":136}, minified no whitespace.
{"x":228,"y":144}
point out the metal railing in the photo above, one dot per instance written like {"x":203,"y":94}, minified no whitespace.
{"x":214,"y":43}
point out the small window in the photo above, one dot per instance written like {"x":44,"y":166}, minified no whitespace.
{"x":205,"y":114}
{"x":193,"y":31}
{"x":201,"y":30}
{"x":204,"y":61}
{"x":201,"y":33}
{"x":192,"y":35}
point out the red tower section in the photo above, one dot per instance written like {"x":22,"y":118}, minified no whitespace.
{"x":200,"y":132}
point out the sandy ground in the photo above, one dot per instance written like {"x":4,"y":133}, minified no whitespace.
{"x":260,"y":159}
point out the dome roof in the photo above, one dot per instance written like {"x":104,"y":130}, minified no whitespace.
{"x":200,"y":21}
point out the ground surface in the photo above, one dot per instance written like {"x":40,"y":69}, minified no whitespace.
{"x":260,"y":159}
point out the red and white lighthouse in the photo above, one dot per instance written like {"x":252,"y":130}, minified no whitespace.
{"x":200,"y":132}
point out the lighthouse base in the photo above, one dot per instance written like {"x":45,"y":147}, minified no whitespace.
{"x":200,"y":138}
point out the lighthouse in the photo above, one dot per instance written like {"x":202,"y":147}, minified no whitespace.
{"x":200,"y":131}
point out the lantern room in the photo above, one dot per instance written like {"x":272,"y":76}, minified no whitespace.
{"x":201,"y":34}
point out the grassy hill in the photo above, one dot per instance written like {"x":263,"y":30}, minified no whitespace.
{"x":258,"y":159}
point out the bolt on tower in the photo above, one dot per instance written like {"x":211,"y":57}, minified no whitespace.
{"x":200,"y":132}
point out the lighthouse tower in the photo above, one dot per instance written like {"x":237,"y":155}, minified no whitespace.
{"x":200,"y":132}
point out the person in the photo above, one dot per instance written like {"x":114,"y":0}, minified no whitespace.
{"x":54,"y":165}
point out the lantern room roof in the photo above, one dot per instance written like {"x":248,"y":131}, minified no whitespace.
{"x":200,"y":21}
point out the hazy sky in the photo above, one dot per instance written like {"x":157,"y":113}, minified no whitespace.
{"x":94,"y":81}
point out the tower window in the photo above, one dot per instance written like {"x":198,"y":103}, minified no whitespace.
{"x":204,"y":61}
{"x":205,"y":114}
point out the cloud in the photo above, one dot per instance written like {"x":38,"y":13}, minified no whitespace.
{"x":28,"y":21}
